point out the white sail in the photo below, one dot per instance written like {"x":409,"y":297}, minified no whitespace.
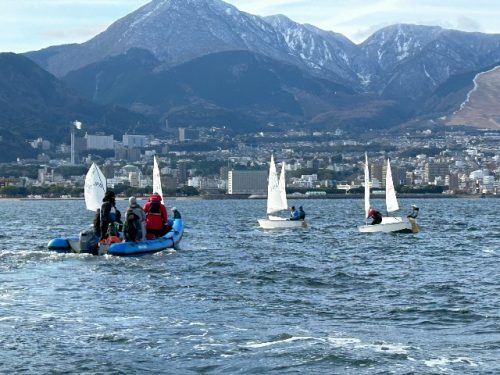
{"x":157,"y":179}
{"x":274,"y":201}
{"x":391,"y":201}
{"x":95,"y":188}
{"x":367,"y":186}
{"x":282,"y":187}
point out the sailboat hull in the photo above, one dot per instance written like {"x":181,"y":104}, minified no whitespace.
{"x":391,"y":225}
{"x":274,"y":222}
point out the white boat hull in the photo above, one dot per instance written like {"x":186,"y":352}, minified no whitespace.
{"x":391,"y":225}
{"x":274,"y":222}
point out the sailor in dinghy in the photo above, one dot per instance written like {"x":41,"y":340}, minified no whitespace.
{"x":388,"y":224}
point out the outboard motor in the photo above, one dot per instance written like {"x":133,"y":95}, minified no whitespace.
{"x":88,"y":241}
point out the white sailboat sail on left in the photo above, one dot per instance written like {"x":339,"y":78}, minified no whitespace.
{"x":277,"y":201}
{"x":95,"y":188}
{"x":157,"y":179}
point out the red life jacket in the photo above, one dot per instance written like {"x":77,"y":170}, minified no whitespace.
{"x":156,"y":213}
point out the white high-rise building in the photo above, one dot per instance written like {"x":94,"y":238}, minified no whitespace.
{"x":247,"y":182}
{"x":99,"y":142}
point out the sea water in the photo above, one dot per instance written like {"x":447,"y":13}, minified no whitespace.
{"x":235,"y":299}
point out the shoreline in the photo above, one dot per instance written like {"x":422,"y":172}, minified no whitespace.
{"x":246,"y":196}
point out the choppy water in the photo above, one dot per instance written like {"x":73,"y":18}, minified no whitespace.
{"x":237,"y":300}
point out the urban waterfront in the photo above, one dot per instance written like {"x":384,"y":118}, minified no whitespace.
{"x":236,"y":299}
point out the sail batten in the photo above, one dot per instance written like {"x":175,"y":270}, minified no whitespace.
{"x":391,"y":201}
{"x":95,"y":188}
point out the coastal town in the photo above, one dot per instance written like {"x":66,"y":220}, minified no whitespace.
{"x":213,"y":162}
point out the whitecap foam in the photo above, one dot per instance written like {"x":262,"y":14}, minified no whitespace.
{"x":380,"y":347}
{"x":269,"y":343}
{"x":442,"y":361}
{"x":391,"y":348}
{"x":343,"y":341}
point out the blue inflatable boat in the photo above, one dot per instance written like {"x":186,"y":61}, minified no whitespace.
{"x":88,"y":242}
{"x":168,"y":241}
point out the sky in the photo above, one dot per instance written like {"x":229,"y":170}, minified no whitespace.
{"x":27,"y":25}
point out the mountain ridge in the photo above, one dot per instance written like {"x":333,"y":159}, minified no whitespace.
{"x":394,"y":72}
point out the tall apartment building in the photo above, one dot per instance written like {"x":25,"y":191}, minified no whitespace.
{"x":182,"y":171}
{"x":247,"y":182}
{"x":133,"y":140}
{"x":99,"y":142}
{"x":433,"y":170}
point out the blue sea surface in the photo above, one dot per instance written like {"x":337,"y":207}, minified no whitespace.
{"x":235,"y":299}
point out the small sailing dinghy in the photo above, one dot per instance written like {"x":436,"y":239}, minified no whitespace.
{"x":389,"y":224}
{"x":277,"y":201}
{"x":87,"y":241}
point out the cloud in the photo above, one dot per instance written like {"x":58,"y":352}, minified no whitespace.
{"x":357,"y":19}
{"x":72,"y":34}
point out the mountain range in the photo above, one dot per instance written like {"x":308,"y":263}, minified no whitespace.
{"x":204,"y":62}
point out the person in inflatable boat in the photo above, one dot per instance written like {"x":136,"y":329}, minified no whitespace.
{"x":156,"y":217}
{"x":134,"y":228}
{"x":109,"y":214}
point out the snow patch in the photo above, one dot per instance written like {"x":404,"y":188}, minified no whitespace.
{"x":365,"y":79}
{"x":476,"y":86}
{"x":146,"y":15}
{"x":429,"y":76}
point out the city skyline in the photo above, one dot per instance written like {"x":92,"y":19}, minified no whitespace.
{"x":32,"y":25}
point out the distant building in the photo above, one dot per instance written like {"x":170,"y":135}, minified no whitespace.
{"x":247,"y":182}
{"x":188,"y":134}
{"x":45,"y":176}
{"x":203,"y":183}
{"x":130,"y":154}
{"x":377,"y":171}
{"x":136,"y":141}
{"x":134,"y":178}
{"x":168,"y":183}
{"x":41,"y":144}
{"x":99,"y":142}
{"x":223,"y":173}
{"x":452,"y":181}
{"x":433,"y":170}
{"x":108,"y":170}
{"x":182,"y":172}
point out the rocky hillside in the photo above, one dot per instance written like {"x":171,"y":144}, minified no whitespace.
{"x":481,"y":108}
